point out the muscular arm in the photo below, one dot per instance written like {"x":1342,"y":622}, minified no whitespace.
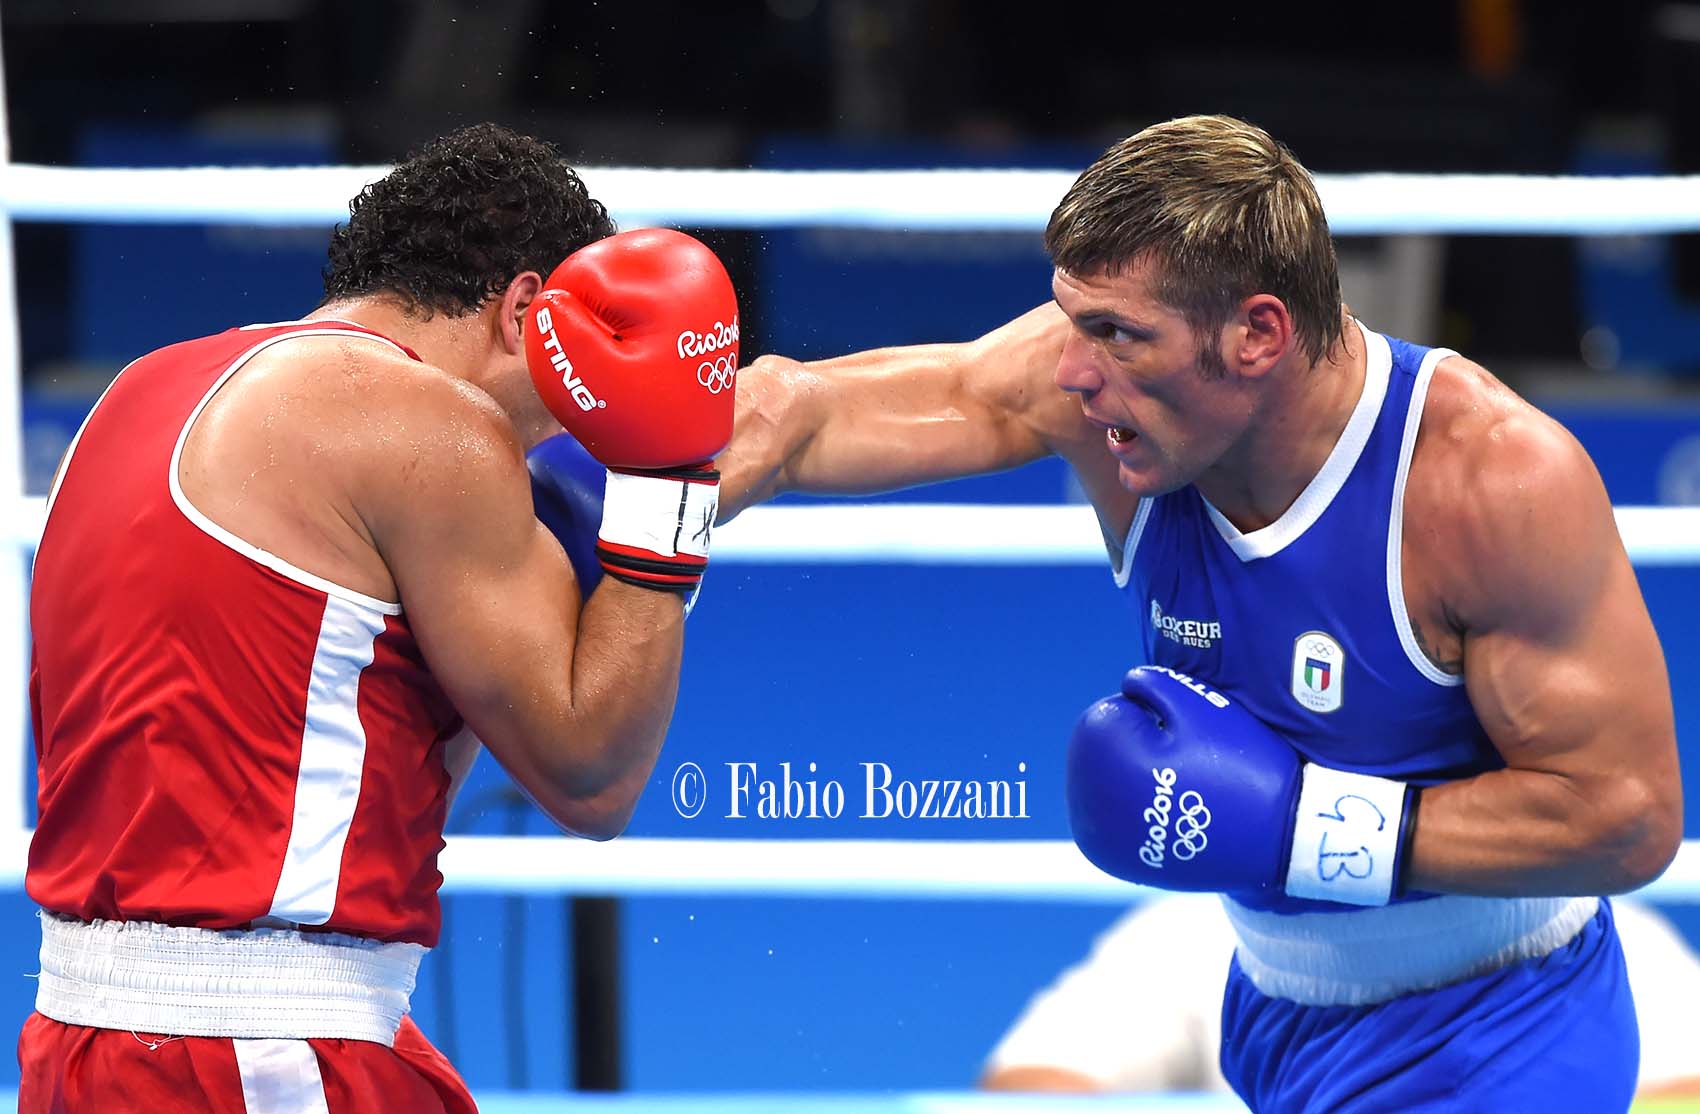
{"x":1564,"y":671}
{"x":896,"y":417}
{"x":574,"y":702}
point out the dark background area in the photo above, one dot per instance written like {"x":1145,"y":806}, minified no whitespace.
{"x":1486,"y":85}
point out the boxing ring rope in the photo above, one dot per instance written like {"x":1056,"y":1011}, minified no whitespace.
{"x":911,"y":200}
{"x":989,"y":534}
{"x":987,"y":200}
{"x":874,"y":869}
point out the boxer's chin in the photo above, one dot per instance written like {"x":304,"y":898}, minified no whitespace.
{"x":1148,"y":480}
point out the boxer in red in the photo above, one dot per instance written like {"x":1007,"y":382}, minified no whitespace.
{"x":291,"y":576}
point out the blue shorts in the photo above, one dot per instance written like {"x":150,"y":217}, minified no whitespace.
{"x":1546,"y":1035}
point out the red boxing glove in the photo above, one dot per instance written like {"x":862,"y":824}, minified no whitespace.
{"x":633,"y":346}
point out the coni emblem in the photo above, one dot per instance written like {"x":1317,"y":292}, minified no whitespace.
{"x":1319,"y":671}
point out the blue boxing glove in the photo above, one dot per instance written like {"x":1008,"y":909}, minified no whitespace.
{"x":566,"y":493}
{"x":567,"y":487}
{"x":1173,"y":785}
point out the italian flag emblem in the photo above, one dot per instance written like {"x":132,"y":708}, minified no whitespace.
{"x":1317,"y":674}
{"x":1319,"y":671}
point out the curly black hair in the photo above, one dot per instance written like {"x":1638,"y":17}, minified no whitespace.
{"x":454,"y":224}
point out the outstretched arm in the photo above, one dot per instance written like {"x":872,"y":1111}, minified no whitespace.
{"x":897,"y":417}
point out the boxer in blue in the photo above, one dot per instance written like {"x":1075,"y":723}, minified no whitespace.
{"x":1403,"y":704}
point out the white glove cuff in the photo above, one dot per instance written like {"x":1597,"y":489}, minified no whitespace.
{"x":664,"y":515}
{"x":1346,"y":837}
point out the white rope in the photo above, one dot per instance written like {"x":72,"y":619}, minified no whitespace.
{"x":918,"y":869}
{"x":1065,"y":534}
{"x":1025,"y":870}
{"x":991,"y":534}
{"x":1660,"y":535}
{"x":912,"y":200}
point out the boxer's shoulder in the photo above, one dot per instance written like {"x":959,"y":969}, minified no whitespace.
{"x":1498,"y":494}
{"x":1057,"y":419}
{"x":1471,"y":418}
{"x":330,"y":406}
{"x":334,"y":369}
{"x":428,"y":451}
{"x":1014,"y":370}
{"x":316,"y":442}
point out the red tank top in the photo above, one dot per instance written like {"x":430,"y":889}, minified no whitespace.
{"x":220,"y":737}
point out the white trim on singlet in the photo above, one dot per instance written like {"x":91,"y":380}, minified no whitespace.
{"x":333,"y":760}
{"x":309,"y":321}
{"x":1135,"y":531}
{"x":280,"y":1077}
{"x":1326,"y":484}
{"x":65,"y":462}
{"x":1396,"y":527}
{"x":218,"y":533}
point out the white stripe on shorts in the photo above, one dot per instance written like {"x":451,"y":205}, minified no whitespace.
{"x":333,"y":760}
{"x":280,"y":1077}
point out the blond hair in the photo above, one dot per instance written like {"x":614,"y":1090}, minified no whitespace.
{"x":1221,"y":210}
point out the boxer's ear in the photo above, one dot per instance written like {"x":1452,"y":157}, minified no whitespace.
{"x":1258,"y":336}
{"x":510,"y":314}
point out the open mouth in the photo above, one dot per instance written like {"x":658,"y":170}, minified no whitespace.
{"x":1121,"y":435}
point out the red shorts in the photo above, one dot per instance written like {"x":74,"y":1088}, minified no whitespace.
{"x":69,"y":1069}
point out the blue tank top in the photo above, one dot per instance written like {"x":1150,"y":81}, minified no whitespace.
{"x":1304,"y":621}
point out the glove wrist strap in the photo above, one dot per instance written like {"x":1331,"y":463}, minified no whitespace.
{"x":656,"y":526}
{"x":1347,"y":833}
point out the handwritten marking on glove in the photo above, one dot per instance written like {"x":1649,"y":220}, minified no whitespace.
{"x":1342,"y":860}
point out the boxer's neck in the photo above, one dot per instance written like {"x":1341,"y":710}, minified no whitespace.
{"x":466,"y":346}
{"x":456,"y":343}
{"x":1302,"y":417}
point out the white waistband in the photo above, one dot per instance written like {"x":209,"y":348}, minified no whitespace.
{"x":197,"y":982}
{"x":1372,"y":955}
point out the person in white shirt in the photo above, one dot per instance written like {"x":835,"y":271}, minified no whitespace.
{"x":1143,"y":1012}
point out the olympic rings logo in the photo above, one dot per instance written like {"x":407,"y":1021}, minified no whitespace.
{"x":1190,"y":822}
{"x":718,"y":374}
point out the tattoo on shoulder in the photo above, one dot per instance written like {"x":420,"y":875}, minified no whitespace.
{"x":1453,"y":663}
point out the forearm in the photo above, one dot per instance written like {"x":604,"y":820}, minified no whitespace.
{"x":623,"y":685}
{"x":873,"y":421}
{"x":780,"y":407}
{"x":1528,"y":832}
{"x":897,"y":417}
